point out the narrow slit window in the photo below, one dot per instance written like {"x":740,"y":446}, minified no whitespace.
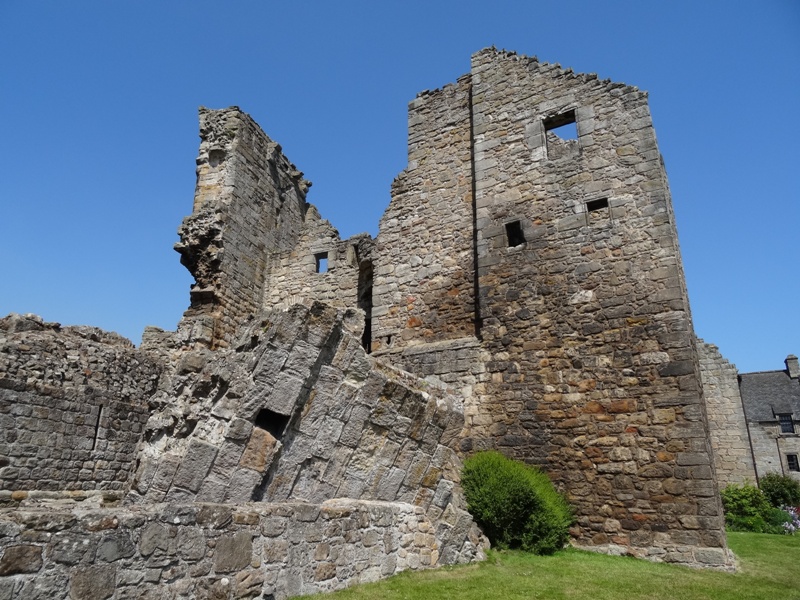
{"x":97,"y":427}
{"x":274,"y":423}
{"x":321,"y":260}
{"x":564,"y":126}
{"x":514,"y":234}
{"x":792,"y":462}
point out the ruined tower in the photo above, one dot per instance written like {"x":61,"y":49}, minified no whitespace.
{"x":524,"y":293}
{"x":538,"y":274}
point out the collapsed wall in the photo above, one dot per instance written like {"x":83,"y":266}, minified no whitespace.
{"x":296,"y":410}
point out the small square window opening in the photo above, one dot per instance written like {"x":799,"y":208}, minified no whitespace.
{"x":564,"y":125}
{"x":321,"y":260}
{"x":514,"y":234}
{"x":792,"y":462}
{"x":597,"y":212}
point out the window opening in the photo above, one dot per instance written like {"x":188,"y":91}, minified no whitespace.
{"x":272,"y":422}
{"x":787,"y":426}
{"x":792,"y":462}
{"x":563,"y":126}
{"x":594,"y":205}
{"x":597,"y":211}
{"x":514,"y":234}
{"x":321,"y":260}
{"x":365,"y":302}
{"x":97,"y":427}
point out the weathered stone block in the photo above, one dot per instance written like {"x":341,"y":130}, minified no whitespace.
{"x":233,"y":552}
{"x":21,"y":559}
{"x":93,"y":583}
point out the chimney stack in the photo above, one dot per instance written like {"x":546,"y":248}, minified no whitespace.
{"x":792,"y":366}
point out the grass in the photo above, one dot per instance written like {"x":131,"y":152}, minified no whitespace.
{"x":768,"y":568}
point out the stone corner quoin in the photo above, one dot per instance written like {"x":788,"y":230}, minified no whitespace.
{"x":303,"y":428}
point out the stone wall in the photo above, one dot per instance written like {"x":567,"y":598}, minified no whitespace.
{"x":73,"y":404}
{"x":205,"y":551}
{"x":321,"y":267}
{"x":770,"y":448}
{"x":589,"y":363}
{"x":296,"y":410}
{"x":424,"y":286}
{"x":730,"y":441}
{"x":525,"y":280}
{"x":249,"y":206}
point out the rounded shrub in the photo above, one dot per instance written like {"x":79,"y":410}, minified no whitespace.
{"x":516,"y":505}
{"x":780,"y":490}
{"x":748,"y":509}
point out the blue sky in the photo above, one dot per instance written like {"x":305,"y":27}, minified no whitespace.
{"x":99,"y":134}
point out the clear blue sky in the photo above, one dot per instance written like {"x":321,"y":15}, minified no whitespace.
{"x":99,"y":133}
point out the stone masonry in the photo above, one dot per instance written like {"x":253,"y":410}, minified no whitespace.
{"x":730,"y":439}
{"x":303,"y":428}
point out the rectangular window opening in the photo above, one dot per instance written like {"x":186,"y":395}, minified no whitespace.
{"x":514,"y":234}
{"x":792,"y":462}
{"x":594,"y":205}
{"x":564,"y":125}
{"x":321,"y":260}
{"x":272,"y":422}
{"x":787,"y":426}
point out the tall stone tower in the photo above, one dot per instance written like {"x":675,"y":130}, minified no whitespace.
{"x":540,"y":273}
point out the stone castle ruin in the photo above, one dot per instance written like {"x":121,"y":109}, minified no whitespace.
{"x":303,"y":428}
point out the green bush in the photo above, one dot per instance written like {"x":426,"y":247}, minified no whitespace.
{"x":780,"y":490}
{"x":747,"y":509}
{"x":516,"y":505}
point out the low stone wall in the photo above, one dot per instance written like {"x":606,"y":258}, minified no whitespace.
{"x":64,"y":549}
{"x":73,"y":405}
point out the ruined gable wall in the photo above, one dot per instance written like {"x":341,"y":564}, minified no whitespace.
{"x":730,"y":441}
{"x":423,"y":253}
{"x":249,"y":205}
{"x":595,"y":374}
{"x":293,"y":276}
{"x":73,"y":403}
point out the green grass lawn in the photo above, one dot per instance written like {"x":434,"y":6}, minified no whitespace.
{"x":769,"y":567}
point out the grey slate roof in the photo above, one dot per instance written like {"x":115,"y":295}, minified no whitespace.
{"x":769,"y":393}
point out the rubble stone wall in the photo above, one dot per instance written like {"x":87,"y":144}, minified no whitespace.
{"x":594,"y":372}
{"x":249,"y":206}
{"x":424,"y":286}
{"x":296,"y":410}
{"x":207,"y":551}
{"x":295,"y":277}
{"x":589,"y":360}
{"x":730,"y":440}
{"x":73,"y":404}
